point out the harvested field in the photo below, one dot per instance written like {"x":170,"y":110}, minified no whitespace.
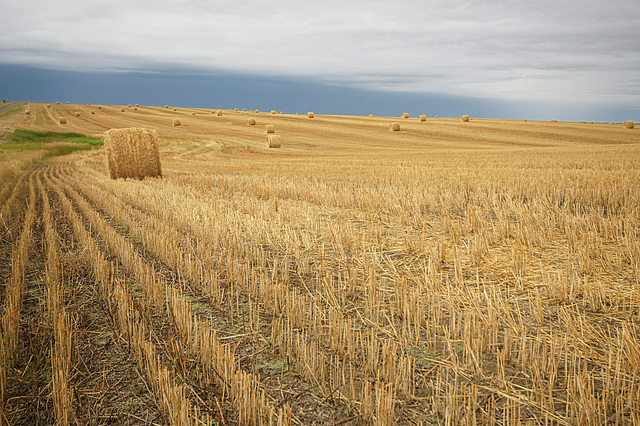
{"x":485,"y":272}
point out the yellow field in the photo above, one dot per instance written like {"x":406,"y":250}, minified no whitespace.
{"x":485,"y":272}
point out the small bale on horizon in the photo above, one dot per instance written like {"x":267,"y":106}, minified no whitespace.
{"x":554,"y":121}
{"x":629,"y":124}
{"x":394,"y":127}
{"x":273,"y":111}
{"x":310,"y":115}
{"x":273,"y":141}
{"x":405,"y":115}
{"x":465,"y":118}
{"x":270,"y":128}
{"x":422,"y":117}
{"x":132,"y":153}
{"x":219,"y":114}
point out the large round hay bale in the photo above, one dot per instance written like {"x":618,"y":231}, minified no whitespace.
{"x":405,"y":115}
{"x":63,"y":120}
{"x":629,"y":124}
{"x":251,"y":122}
{"x":77,"y":114}
{"x":132,"y":153}
{"x":310,"y":115}
{"x":176,"y":123}
{"x":270,"y":128}
{"x":464,"y":118}
{"x":273,"y":141}
{"x":93,"y":112}
{"x":394,"y":127}
{"x":422,"y":117}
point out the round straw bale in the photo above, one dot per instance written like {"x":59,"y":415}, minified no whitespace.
{"x":27,"y":111}
{"x":88,"y":103}
{"x":273,"y":111}
{"x":175,"y":109}
{"x":244,"y":110}
{"x":93,"y":112}
{"x":193,"y":113}
{"x":583,"y":122}
{"x":48,"y":106}
{"x":68,"y":103}
{"x":310,"y":115}
{"x":137,"y":105}
{"x":394,"y":127}
{"x":554,"y":121}
{"x":57,"y":103}
{"x":132,"y":153}
{"x":370,"y":115}
{"x":257,"y":111}
{"x":422,"y":117}
{"x":251,"y":122}
{"x":219,"y":113}
{"x":235,"y":109}
{"x":525,"y":120}
{"x":405,"y":115}
{"x":464,"y":118}
{"x":135,"y":108}
{"x":129,"y":105}
{"x":99,"y":106}
{"x":281,"y":112}
{"x":122,"y":110}
{"x":176,"y":123}
{"x":273,"y":141}
{"x":435,"y":116}
{"x":77,"y":114}
{"x":270,"y":128}
{"x":63,"y":120}
{"x":166,"y":106}
{"x":629,"y":124}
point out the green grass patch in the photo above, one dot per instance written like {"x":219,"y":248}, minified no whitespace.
{"x":30,"y":138}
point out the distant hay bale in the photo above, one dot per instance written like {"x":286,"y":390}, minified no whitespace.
{"x":219,"y":114}
{"x":236,"y":109}
{"x":176,"y":123}
{"x":281,"y":112}
{"x":99,"y":106}
{"x":244,"y":110}
{"x":48,"y":106}
{"x":370,"y":115}
{"x":273,"y":141}
{"x":88,"y":103}
{"x":525,"y":120}
{"x":273,"y":111}
{"x":68,"y":103}
{"x":405,"y":115}
{"x":257,"y":111}
{"x":129,"y":105}
{"x":310,"y":115}
{"x":166,"y":106}
{"x":135,"y":108}
{"x":193,"y":113}
{"x":63,"y":120}
{"x":27,"y":111}
{"x":175,"y":109}
{"x":251,"y":122}
{"x":394,"y":127}
{"x":214,"y":111}
{"x":122,"y":110}
{"x":435,"y":116}
{"x":57,"y":103}
{"x":464,"y":118}
{"x":137,"y":105}
{"x":270,"y":128}
{"x":554,"y":121}
{"x":93,"y":112}
{"x":422,"y":117}
{"x":583,"y":122}
{"x":132,"y":153}
{"x":77,"y":114}
{"x":629,"y":124}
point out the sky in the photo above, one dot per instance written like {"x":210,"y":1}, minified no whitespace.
{"x":569,"y":60}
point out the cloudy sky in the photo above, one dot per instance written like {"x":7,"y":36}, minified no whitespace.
{"x":556,"y":57}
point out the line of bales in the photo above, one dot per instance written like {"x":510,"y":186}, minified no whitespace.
{"x":134,"y":153}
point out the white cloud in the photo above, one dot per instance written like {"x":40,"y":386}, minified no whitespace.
{"x":516,"y":49}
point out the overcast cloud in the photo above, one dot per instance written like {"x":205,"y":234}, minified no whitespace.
{"x":538,"y":50}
